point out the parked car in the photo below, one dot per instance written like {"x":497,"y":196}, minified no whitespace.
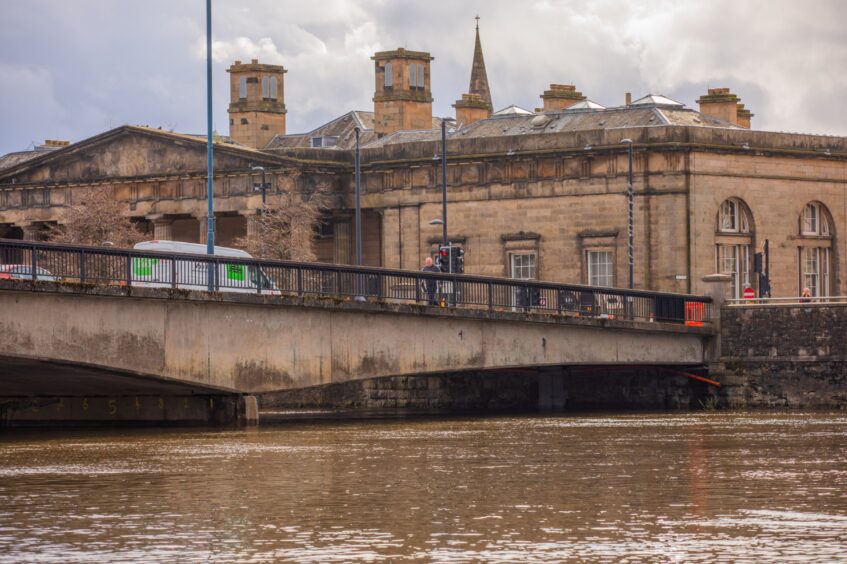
{"x":24,"y":272}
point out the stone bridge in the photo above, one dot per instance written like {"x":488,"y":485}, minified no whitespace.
{"x":193,"y":356}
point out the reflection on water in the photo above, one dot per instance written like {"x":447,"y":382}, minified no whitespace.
{"x":688,"y":488}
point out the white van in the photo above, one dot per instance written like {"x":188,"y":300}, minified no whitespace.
{"x":194,"y":275}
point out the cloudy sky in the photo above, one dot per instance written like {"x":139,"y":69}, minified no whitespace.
{"x":70,"y":69}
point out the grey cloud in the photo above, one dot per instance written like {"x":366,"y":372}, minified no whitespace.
{"x":73,"y":69}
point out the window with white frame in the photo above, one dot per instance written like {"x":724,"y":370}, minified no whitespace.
{"x":734,"y":260}
{"x":815,"y":256}
{"x":600,"y":268}
{"x":524,"y":266}
{"x":733,"y":241}
{"x":733,"y":217}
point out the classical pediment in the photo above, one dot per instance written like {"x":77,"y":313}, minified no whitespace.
{"x":128,"y":152}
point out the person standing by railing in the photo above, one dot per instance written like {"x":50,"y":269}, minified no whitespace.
{"x":805,"y":296}
{"x":429,"y":284}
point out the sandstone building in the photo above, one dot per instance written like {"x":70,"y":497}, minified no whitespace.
{"x":530,"y":194}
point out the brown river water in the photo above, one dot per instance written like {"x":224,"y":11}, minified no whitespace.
{"x":693,"y":487}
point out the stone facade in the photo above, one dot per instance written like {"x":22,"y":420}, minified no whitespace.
{"x":784,"y":356}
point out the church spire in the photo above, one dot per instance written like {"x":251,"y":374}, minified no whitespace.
{"x":479,"y":78}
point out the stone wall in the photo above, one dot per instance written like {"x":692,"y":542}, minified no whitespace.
{"x":784,"y":356}
{"x":574,"y":388}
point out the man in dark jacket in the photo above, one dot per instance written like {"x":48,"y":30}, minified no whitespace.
{"x":429,"y":284}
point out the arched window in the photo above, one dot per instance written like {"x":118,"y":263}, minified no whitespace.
{"x":815,"y":249}
{"x":733,"y":241}
{"x":242,"y":87}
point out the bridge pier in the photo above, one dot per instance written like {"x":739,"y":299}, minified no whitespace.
{"x":194,"y":410}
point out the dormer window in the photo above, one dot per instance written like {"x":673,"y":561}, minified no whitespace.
{"x":242,"y":88}
{"x":324,"y":141}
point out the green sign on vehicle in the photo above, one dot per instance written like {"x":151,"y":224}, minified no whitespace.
{"x":144,"y":266}
{"x":235,"y":272}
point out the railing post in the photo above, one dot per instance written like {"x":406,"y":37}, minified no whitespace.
{"x":338,"y":283}
{"x":300,"y":281}
{"x":173,"y":271}
{"x":491,"y":296}
{"x":258,"y":271}
{"x":379,"y":285}
{"x":82,"y":266}
{"x":34,"y":267}
{"x":128,"y":271}
{"x":417,"y":288}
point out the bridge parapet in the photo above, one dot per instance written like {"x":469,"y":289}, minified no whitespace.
{"x":132,"y":269}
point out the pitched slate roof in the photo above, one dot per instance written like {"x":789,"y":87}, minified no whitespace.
{"x":342,"y":127}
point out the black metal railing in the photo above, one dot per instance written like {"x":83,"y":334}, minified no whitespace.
{"x":141,"y":268}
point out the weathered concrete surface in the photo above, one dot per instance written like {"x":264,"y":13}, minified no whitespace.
{"x":245,"y":343}
{"x":784,"y":356}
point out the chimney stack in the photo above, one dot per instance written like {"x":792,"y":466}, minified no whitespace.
{"x":628,"y":98}
{"x":403,"y":98}
{"x":471,"y":108}
{"x":722,"y":104}
{"x":257,"y":103}
{"x":561,"y":96}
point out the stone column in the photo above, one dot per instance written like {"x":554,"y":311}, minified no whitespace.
{"x":162,"y":227}
{"x":33,"y":231}
{"x":249,"y":217}
{"x":717,"y":287}
{"x":202,"y":227}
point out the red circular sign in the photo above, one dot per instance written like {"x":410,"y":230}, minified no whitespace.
{"x":749,"y":294}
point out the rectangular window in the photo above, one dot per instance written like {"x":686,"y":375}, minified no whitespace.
{"x":242,"y":87}
{"x":266,"y":87}
{"x":413,"y":73}
{"x":389,"y":77}
{"x":734,"y":260}
{"x":273,"y":88}
{"x":600,"y":268}
{"x":811,"y":270}
{"x":317,"y":142}
{"x":420,"y":76}
{"x":523,"y":266}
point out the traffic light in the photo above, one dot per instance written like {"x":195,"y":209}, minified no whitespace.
{"x":457,"y":260}
{"x":443,"y":261}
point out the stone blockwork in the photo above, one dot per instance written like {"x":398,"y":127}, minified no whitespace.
{"x":574,"y":388}
{"x":784,"y":356}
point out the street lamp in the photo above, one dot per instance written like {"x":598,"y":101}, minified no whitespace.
{"x":256,"y":168}
{"x":210,"y":179}
{"x":629,"y":204}
{"x":358,"y":181}
{"x":444,"y":122}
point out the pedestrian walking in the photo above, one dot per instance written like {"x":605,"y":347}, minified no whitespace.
{"x":430,"y":285}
